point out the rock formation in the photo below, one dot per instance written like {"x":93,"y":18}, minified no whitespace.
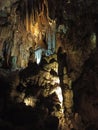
{"x":48,"y":64}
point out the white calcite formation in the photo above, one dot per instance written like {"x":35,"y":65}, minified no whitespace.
{"x":36,"y":31}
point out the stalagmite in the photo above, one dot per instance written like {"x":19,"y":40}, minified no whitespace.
{"x":68,"y":101}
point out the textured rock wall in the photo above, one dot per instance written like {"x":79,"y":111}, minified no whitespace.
{"x":22,"y":30}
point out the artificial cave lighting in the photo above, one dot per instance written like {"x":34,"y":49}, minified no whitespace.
{"x":35,"y":30}
{"x":50,"y":40}
{"x":56,"y":80}
{"x":30,"y":101}
{"x":40,"y":25}
{"x":38,"y":55}
{"x":58,"y":91}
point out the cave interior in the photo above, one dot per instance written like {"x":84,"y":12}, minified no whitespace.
{"x":48,"y":65}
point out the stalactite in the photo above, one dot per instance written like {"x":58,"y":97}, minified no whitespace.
{"x":49,"y":38}
{"x":38,"y":55}
{"x":46,"y":5}
{"x":33,"y":17}
{"x":34,"y":11}
{"x":53,"y":36}
{"x":31,"y":22}
{"x":27,"y":16}
{"x":41,"y":27}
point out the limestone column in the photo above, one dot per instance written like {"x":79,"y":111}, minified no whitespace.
{"x":68,"y":101}
{"x":67,"y":95}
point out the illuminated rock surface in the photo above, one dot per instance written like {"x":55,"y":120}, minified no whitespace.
{"x":48,"y":65}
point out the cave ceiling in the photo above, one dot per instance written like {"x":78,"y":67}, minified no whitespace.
{"x":47,"y":24}
{"x":57,"y":9}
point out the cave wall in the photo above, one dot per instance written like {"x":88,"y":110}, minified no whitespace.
{"x":32,"y":31}
{"x":25,"y":26}
{"x":29,"y":24}
{"x":24,"y":29}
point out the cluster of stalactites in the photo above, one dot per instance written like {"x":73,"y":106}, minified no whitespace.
{"x":41,"y":27}
{"x":33,"y":10}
